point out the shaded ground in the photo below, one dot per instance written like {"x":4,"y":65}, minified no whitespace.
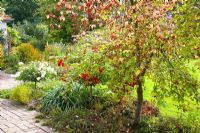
{"x":7,"y":81}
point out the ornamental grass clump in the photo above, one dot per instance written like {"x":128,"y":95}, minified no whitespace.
{"x":36,"y":72}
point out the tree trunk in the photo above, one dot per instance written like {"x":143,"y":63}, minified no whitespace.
{"x":139,"y":104}
{"x":91,"y":93}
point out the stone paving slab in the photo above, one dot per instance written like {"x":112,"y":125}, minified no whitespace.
{"x":16,"y":119}
{"x":7,"y":81}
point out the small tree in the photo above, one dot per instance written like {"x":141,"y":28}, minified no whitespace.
{"x":36,"y":72}
{"x":143,"y":40}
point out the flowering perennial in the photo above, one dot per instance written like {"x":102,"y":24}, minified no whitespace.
{"x":36,"y":71}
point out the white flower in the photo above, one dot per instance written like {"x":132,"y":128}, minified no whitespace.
{"x":17,"y":74}
{"x":43,"y":74}
{"x":20,"y":63}
{"x":40,"y":69}
{"x":38,"y":78}
{"x":51,"y":70}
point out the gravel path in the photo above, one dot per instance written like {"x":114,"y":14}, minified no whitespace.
{"x":7,"y":81}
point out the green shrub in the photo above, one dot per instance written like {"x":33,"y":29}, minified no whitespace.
{"x":14,"y":37}
{"x":49,"y":84}
{"x":12,"y":63}
{"x":64,"y":34}
{"x":37,"y":44}
{"x":5,"y":94}
{"x":162,"y":124}
{"x":41,"y":36}
{"x":26,"y":30}
{"x":36,"y":34}
{"x":26,"y":53}
{"x":22,"y":94}
{"x":191,"y":121}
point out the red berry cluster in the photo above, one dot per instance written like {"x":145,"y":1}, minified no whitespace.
{"x":91,"y":80}
{"x":61,"y":63}
{"x":94,"y":80}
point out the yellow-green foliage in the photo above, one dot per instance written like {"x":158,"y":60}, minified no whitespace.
{"x":2,"y":59}
{"x":22,"y":94}
{"x":1,"y":51}
{"x":26,"y":52}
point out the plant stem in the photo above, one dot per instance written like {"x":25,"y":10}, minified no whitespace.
{"x":139,"y":104}
{"x":35,"y":85}
{"x":91,"y":92}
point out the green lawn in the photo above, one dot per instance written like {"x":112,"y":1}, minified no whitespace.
{"x":169,"y":108}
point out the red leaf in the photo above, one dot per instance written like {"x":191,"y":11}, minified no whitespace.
{"x":101,"y":70}
{"x":132,"y":84}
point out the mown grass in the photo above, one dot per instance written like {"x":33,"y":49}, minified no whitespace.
{"x":169,"y":106}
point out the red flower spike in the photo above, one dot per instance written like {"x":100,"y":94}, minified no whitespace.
{"x":95,"y":80}
{"x":85,"y":76}
{"x":60,"y":63}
